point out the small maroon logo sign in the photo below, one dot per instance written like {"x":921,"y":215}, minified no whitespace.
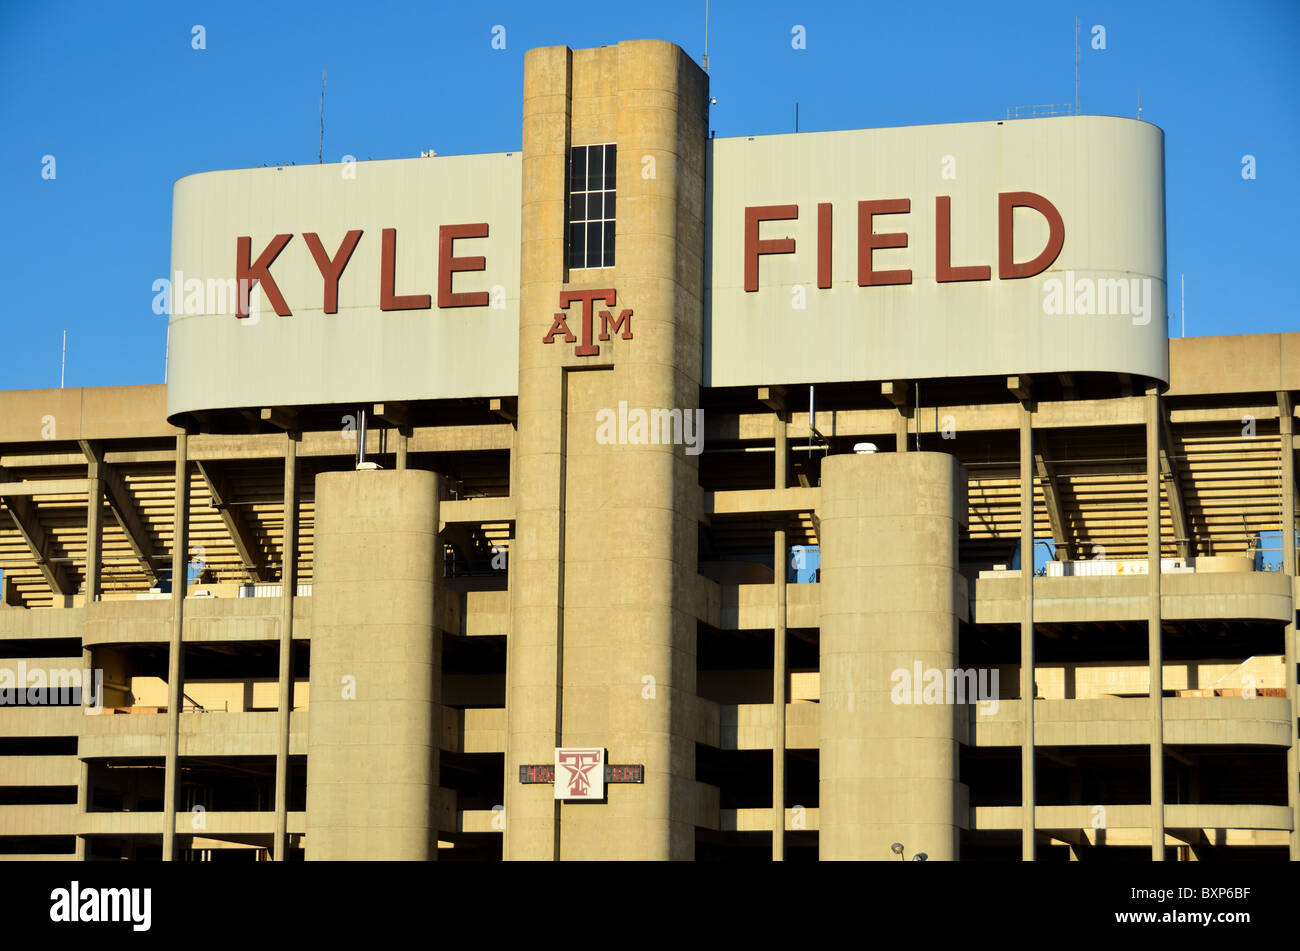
{"x":621,"y":325}
{"x":579,"y":773}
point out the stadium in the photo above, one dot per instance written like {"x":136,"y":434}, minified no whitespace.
{"x":655,"y":496}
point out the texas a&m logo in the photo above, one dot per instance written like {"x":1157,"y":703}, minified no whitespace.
{"x":579,"y":773}
{"x":621,"y":325}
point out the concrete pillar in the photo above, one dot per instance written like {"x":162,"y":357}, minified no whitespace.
{"x":1286,"y":416}
{"x":83,"y":767}
{"x":780,"y":563}
{"x":602,"y":648}
{"x":94,"y":531}
{"x":288,"y":591}
{"x":93,"y":589}
{"x":781,"y":449}
{"x":1155,"y":651}
{"x":889,"y":527}
{"x":175,"y":652}
{"x":403,"y":444}
{"x":1028,"y":690}
{"x":375,"y":712}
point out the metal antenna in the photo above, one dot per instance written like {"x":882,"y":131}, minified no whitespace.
{"x":1076,"y":66}
{"x":63,"y":367}
{"x":1139,"y":102}
{"x":796,"y":117}
{"x":1182,"y":293}
{"x":706,"y":34}
{"x":320,"y":153}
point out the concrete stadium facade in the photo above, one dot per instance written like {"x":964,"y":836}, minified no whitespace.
{"x":645,"y":495}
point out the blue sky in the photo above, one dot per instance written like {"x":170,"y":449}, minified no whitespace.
{"x":118,"y":96}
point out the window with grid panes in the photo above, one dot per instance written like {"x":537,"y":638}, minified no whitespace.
{"x":591,"y":206}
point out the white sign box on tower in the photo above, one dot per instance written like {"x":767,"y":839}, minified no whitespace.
{"x":579,"y":772}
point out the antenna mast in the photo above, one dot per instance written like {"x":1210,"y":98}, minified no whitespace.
{"x":1076,"y":66}
{"x":63,"y":366}
{"x":320,"y":153}
{"x":706,"y":34}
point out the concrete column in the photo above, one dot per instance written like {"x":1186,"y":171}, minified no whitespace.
{"x":288,"y":591}
{"x":94,"y":531}
{"x":1028,"y":791}
{"x":83,"y":767}
{"x":780,"y":562}
{"x":175,"y":653}
{"x":1155,"y":651}
{"x":376,"y":668}
{"x":93,"y":589}
{"x":889,"y":527}
{"x":403,"y":443}
{"x":781,"y":449}
{"x":1286,"y":416}
{"x":602,"y":648}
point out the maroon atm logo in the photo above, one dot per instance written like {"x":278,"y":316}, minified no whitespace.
{"x":609,"y":324}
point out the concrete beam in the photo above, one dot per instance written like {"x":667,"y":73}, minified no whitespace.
{"x":280,"y":417}
{"x":773,"y":397}
{"x":236,"y":526}
{"x":45,"y":487}
{"x":1052,"y":498}
{"x":1171,"y":473}
{"x":897,"y":392}
{"x":123,"y":508}
{"x":1022,"y":387}
{"x":507,"y":407}
{"x":477,"y":511}
{"x":40,"y":542}
{"x":762,"y":501}
{"x":395,"y":414}
{"x":94,"y":576}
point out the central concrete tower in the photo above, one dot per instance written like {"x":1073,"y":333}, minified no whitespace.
{"x":602,"y":642}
